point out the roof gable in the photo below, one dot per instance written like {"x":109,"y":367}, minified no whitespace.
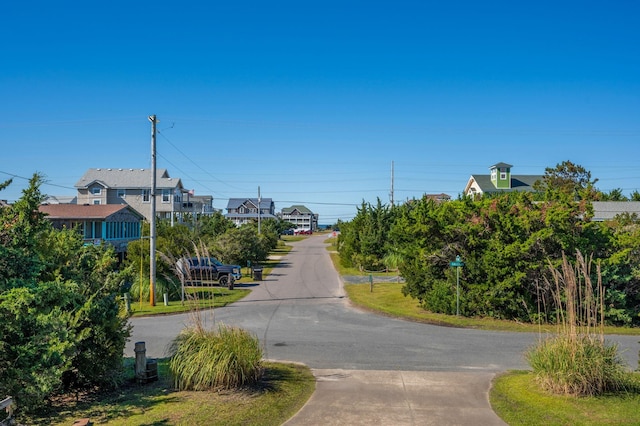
{"x":82,"y":211}
{"x":127,"y":178}
{"x":234,"y":203}
{"x":518,"y":183}
{"x":296,"y":209}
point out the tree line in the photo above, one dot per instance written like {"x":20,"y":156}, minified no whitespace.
{"x":507,"y":241}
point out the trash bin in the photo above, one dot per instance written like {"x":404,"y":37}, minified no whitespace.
{"x":257,"y":274}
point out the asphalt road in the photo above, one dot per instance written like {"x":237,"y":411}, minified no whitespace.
{"x":300,"y":314}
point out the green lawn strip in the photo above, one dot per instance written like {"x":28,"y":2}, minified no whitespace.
{"x":387,"y":298}
{"x":201,"y":298}
{"x":283,"y":391}
{"x":518,"y":400}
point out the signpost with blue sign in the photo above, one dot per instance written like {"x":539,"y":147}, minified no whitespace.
{"x":458,"y":263}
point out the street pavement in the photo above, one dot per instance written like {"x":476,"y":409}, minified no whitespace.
{"x":370,"y":369}
{"x":398,"y":398}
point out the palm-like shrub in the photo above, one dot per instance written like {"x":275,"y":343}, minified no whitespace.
{"x":228,"y":357}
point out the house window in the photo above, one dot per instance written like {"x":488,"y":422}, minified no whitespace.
{"x":145,"y":195}
{"x":166,"y":195}
{"x":493,"y":174}
{"x":503,"y":173}
{"x":96,"y":201}
{"x":96,"y":190}
{"x":121,"y":193}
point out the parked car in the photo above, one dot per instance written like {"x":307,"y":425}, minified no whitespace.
{"x":198,"y":270}
{"x":287,"y":232}
{"x":302,"y":231}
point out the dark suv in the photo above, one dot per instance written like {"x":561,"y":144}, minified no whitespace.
{"x":199,"y":270}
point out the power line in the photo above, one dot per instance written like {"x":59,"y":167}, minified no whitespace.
{"x":194,"y":163}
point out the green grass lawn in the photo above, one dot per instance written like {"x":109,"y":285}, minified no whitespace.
{"x":198,"y":298}
{"x":282,"y":392}
{"x":518,"y":400}
{"x":387,"y":298}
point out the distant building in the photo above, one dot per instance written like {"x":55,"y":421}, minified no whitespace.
{"x":112,"y":224}
{"x":245,"y":210}
{"x":500,"y":180}
{"x":608,"y":210}
{"x":437,"y":197}
{"x":301,"y":217}
{"x":60,"y":199}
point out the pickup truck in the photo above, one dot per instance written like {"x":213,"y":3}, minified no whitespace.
{"x":197,"y":270}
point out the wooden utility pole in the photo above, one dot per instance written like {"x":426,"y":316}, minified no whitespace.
{"x":391,"y":193}
{"x":152,"y":219}
{"x":259,"y":200}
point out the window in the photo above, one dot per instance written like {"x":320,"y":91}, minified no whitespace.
{"x":503,"y":173}
{"x":96,"y":201}
{"x":166,"y":195}
{"x":493,"y":174}
{"x":96,"y":190}
{"x":145,"y":195}
{"x":121,"y":193}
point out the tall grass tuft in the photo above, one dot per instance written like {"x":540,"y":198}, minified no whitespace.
{"x":226,"y":358}
{"x":578,"y":361}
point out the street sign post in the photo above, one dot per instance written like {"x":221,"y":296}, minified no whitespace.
{"x":457,"y":264}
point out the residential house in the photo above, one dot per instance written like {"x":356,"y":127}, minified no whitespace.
{"x":499,"y":180}
{"x":133,"y":187}
{"x":245,"y":210}
{"x":115,"y":224}
{"x":607,"y":210}
{"x":61,"y":199}
{"x":301,"y":217}
{"x":438,"y":198}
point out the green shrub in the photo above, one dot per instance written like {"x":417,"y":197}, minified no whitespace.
{"x":578,"y":361}
{"x":580,"y":365}
{"x":226,"y":358}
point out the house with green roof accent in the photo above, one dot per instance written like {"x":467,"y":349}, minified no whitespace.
{"x":500,"y":179}
{"x":301,"y":217}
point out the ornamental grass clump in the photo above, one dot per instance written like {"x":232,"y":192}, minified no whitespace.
{"x":226,"y":358}
{"x":578,"y":361}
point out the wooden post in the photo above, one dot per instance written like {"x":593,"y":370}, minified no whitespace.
{"x":141,"y":362}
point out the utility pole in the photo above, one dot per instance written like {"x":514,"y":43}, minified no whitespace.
{"x":391,"y":193}
{"x":259,"y":200}
{"x":152,"y":219}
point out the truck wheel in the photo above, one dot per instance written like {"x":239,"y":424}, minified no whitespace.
{"x":224,"y":280}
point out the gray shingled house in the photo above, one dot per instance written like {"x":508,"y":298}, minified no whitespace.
{"x":133,"y":187}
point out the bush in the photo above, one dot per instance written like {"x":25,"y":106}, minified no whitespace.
{"x":580,"y":366}
{"x":578,"y":361}
{"x":204,"y":360}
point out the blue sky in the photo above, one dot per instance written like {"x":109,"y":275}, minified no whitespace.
{"x":312,"y":101}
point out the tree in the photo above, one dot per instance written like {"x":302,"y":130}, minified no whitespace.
{"x":363,"y":242}
{"x":569,"y":179}
{"x":240,"y":245}
{"x":59,"y":307}
{"x":613,"y":195}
